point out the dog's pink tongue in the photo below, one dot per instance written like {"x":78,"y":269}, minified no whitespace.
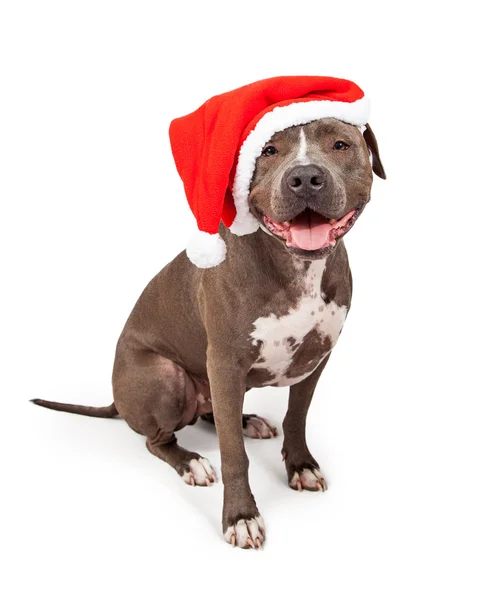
{"x":310,"y":231}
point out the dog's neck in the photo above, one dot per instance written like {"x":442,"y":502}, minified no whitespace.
{"x":264,"y":253}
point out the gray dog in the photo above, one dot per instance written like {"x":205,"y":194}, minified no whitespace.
{"x":269,"y":314}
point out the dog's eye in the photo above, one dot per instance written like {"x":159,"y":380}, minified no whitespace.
{"x":269,"y":151}
{"x":339,"y":145}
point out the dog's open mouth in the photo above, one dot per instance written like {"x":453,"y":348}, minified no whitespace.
{"x":311,"y":231}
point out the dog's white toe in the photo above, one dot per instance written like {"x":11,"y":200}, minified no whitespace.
{"x":307,"y":479}
{"x":246,"y":533}
{"x":259,"y":428}
{"x":200,"y":472}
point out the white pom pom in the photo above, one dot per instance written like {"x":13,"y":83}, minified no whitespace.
{"x":206,"y":250}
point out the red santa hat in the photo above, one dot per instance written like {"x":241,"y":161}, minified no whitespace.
{"x":215,"y":147}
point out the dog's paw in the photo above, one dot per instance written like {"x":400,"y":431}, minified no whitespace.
{"x":308,"y":479}
{"x":258,"y":427}
{"x":246,"y":533}
{"x":199,"y":472}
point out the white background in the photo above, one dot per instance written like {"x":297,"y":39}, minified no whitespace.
{"x":92,"y":208}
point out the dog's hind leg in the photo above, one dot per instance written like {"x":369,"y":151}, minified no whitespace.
{"x":254,"y":426}
{"x":156,"y":397}
{"x":193,"y":468}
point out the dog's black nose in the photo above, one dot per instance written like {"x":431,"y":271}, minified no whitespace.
{"x":305,"y":180}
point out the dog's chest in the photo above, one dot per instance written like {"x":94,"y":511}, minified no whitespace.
{"x":291,"y":346}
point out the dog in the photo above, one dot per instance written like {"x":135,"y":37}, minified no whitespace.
{"x":268,"y":315}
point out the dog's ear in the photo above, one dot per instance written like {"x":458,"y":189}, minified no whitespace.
{"x":372,"y":144}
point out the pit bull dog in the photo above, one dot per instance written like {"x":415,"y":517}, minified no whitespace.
{"x":268,"y":315}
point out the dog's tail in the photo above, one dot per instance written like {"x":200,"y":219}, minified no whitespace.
{"x":104,"y":412}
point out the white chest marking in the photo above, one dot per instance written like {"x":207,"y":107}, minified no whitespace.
{"x":275,"y":332}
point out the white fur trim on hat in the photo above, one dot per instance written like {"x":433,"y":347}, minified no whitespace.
{"x":280,"y":118}
{"x":206,"y":250}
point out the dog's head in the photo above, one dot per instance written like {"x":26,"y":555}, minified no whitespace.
{"x":311,"y":183}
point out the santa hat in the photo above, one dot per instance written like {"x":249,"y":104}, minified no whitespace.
{"x":215,"y":147}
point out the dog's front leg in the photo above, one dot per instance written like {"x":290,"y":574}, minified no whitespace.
{"x":242,"y":524}
{"x":302,"y":469}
